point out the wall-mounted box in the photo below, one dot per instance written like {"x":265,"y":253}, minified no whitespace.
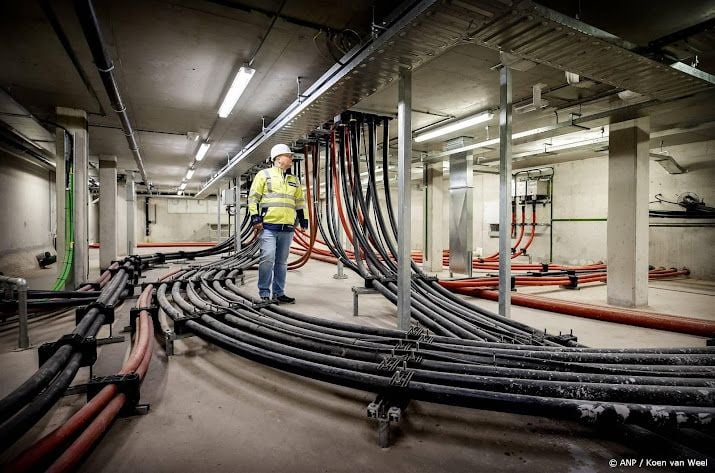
{"x":537,"y":189}
{"x":230,"y":196}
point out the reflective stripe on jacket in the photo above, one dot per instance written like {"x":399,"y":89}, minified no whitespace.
{"x":275,"y":196}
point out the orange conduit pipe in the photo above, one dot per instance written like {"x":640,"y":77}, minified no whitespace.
{"x":672,"y":323}
{"x":99,"y":412}
{"x":565,"y":280}
{"x":531,"y":235}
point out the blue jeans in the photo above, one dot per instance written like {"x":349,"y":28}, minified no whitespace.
{"x":275,"y":246}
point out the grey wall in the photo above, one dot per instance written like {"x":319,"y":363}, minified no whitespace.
{"x":192,"y":226}
{"x":581,"y":192}
{"x":26,"y":191}
{"x":693,"y":247}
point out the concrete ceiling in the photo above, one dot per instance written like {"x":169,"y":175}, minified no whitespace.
{"x":176,"y":58}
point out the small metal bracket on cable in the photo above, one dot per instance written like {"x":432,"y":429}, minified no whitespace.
{"x":179,"y":331}
{"x":563,"y":339}
{"x":135,"y":312}
{"x":261,"y":304}
{"x":103,"y":309}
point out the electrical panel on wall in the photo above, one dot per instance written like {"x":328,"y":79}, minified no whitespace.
{"x":230,"y":196}
{"x":533,"y":185}
{"x":537,"y":189}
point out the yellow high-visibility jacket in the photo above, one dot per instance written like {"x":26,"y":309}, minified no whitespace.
{"x":275,"y":196}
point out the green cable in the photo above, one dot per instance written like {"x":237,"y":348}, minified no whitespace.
{"x":69,"y":235}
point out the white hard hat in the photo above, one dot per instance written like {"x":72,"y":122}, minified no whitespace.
{"x":277,"y":150}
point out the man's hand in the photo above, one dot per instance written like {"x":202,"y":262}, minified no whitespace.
{"x":304,"y":223}
{"x":257,"y":229}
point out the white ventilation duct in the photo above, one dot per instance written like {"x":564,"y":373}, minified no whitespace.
{"x":537,"y":103}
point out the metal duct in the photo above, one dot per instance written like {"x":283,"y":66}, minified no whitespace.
{"x":429,"y":28}
{"x":105,"y":67}
{"x":461,"y":205}
{"x":539,"y":34}
{"x":417,"y":34}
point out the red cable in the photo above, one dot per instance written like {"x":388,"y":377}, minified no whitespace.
{"x":95,"y":409}
{"x":689,"y":325}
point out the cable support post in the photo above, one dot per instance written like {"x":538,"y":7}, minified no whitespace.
{"x":86,"y":346}
{"x":135,"y":312}
{"x":386,"y":409}
{"x":127,"y":384}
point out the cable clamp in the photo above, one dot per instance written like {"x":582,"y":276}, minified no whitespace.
{"x":127,"y":384}
{"x":564,"y":338}
{"x":425,"y":338}
{"x":390,"y":363}
{"x":414,"y":332}
{"x":135,"y":312}
{"x":573,"y":281}
{"x":87,"y":346}
{"x":426,"y":278}
{"x":186,"y":256}
{"x":103,"y":309}
{"x":180,"y":322}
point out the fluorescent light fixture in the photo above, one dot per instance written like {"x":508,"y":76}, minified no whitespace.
{"x":182,"y":186}
{"x":550,"y":148}
{"x":243,"y":77}
{"x":454,"y":126}
{"x":189,"y":174}
{"x":203,"y":149}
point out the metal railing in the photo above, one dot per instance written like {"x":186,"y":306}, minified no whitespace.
{"x":6,"y":283}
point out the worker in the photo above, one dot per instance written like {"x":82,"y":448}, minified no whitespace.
{"x":276,"y":203}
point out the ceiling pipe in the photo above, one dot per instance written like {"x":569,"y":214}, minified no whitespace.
{"x":90,"y":26}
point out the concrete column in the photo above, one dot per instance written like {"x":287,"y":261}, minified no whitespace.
{"x":107,"y":210}
{"x":75,"y":122}
{"x":434,"y":228}
{"x":628,"y":212}
{"x":131,"y":197}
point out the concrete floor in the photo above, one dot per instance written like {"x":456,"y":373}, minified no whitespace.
{"x":214,"y":411}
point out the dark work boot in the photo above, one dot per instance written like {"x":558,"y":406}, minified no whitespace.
{"x":285,"y":299}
